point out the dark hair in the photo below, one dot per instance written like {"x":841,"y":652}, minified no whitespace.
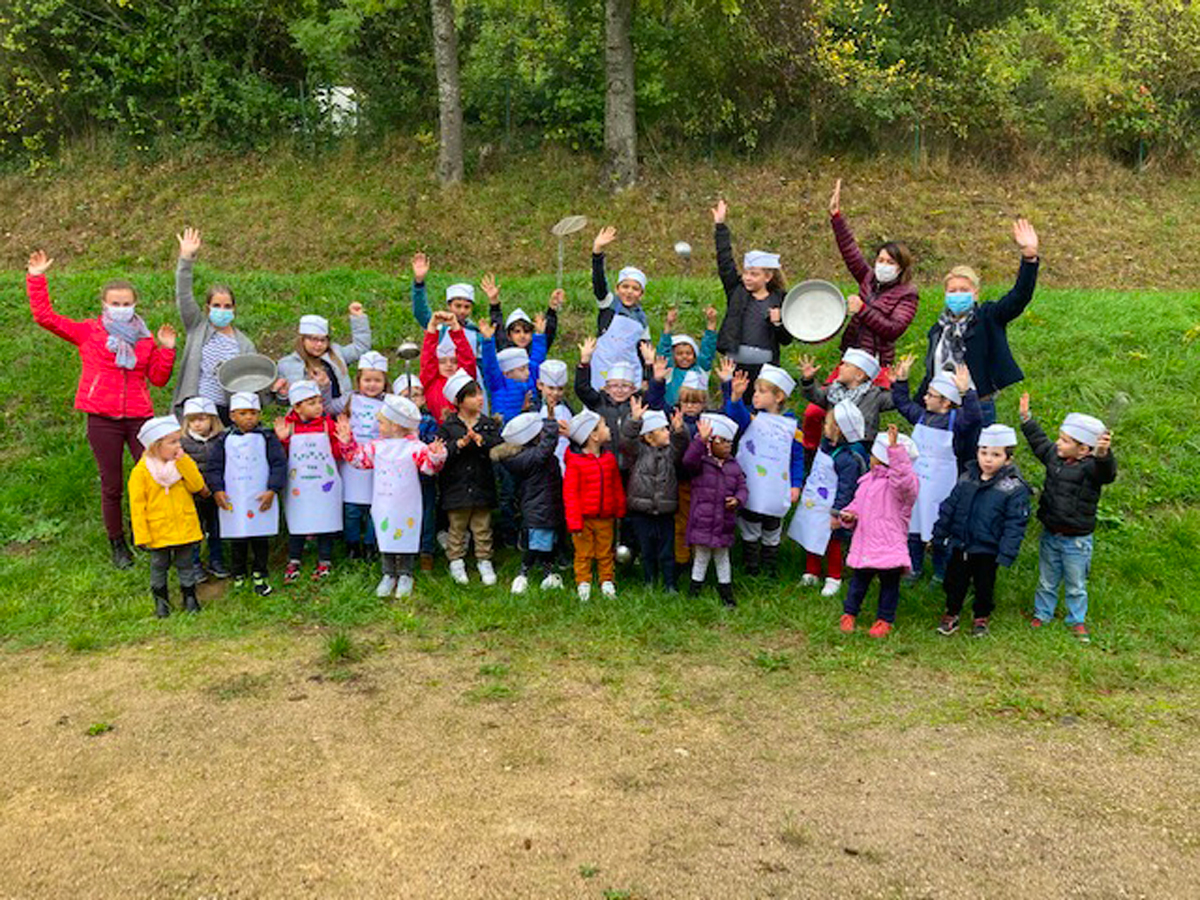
{"x":777,"y":282}
{"x":470,"y":389}
{"x":522,"y":322}
{"x":216,"y":289}
{"x":898,"y":250}
{"x":118,"y":284}
{"x":1008,"y":452}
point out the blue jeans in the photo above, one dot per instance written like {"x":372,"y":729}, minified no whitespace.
{"x":940,"y":554}
{"x":356,"y":523}
{"x":1063,"y":558}
{"x":429,"y":514}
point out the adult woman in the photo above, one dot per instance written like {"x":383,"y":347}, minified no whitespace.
{"x":211,"y":336}
{"x":119,"y":356}
{"x":976,"y":333}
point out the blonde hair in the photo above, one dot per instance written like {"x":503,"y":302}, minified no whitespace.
{"x":963,"y":272}
{"x":217,"y":425}
{"x":692,"y":395}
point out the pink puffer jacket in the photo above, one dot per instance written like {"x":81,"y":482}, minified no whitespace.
{"x":883,"y":503}
{"x":104,"y":387}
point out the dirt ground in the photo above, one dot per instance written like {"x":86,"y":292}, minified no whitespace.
{"x":258,"y":771}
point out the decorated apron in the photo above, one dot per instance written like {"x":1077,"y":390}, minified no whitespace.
{"x":356,"y":483}
{"x":246,"y":473}
{"x":314,"y":491}
{"x":396,"y":503}
{"x":937,"y":469}
{"x":560,"y":412}
{"x":810,"y":525}
{"x":765,"y":455}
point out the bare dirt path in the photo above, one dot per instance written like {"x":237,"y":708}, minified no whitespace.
{"x":252,"y":770}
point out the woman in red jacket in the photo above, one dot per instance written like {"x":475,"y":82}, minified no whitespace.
{"x":880,"y":312}
{"x":119,"y":356}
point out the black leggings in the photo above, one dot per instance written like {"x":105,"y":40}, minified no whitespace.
{"x":962,"y":570}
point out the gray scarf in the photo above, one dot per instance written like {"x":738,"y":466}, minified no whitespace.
{"x":837,"y":392}
{"x":952,"y":348}
{"x":122,"y":336}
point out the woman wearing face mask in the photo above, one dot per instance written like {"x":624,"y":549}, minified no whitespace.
{"x":211,"y":336}
{"x":119,"y":356}
{"x":976,"y":333}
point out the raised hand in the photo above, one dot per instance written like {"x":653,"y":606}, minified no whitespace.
{"x":893,"y":435}
{"x":280,"y":386}
{"x":527,"y":401}
{"x":420,"y":267}
{"x":710,"y":318}
{"x":671,"y":319}
{"x":677,"y":420}
{"x":356,"y":309}
{"x":189,"y":243}
{"x":1026,"y":238}
{"x":344,"y":433}
{"x":166,"y":336}
{"x":1024,"y":407}
{"x":320,"y":377}
{"x":486,"y":328}
{"x":539,"y":323}
{"x":904,"y":367}
{"x":39,"y":262}
{"x":607,"y":235}
{"x":586,"y":349}
{"x":636,"y":408}
{"x":661,"y":368}
{"x":222,"y":500}
{"x":1103,"y":444}
{"x":962,"y":378}
{"x":731,"y":502}
{"x":557,"y":298}
{"x":719,"y":212}
{"x":835,"y":199}
{"x":725,"y":368}
{"x":564,"y":427}
{"x":283,"y":429}
{"x":809,"y":367}
{"x":437,"y":447}
{"x":704,"y":430}
{"x":491,"y":288}
{"x":741,"y":381}
{"x":854,"y":304}
{"x":265,"y":499}
{"x":646,"y":351}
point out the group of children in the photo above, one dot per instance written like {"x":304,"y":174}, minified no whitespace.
{"x":645,"y":468}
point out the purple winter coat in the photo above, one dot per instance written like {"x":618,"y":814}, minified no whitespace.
{"x":710,"y":523}
{"x":883,"y":503}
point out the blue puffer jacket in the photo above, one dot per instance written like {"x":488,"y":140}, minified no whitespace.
{"x":987,"y":517}
{"x":507,"y":394}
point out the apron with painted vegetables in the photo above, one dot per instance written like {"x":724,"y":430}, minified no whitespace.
{"x":937,"y":469}
{"x":314,"y":491}
{"x":356,"y":483}
{"x":246,"y":473}
{"x":810,"y":525}
{"x":396,"y":504}
{"x":560,"y":412}
{"x":765,"y":455}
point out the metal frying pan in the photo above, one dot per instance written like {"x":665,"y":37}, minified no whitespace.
{"x":250,"y":372}
{"x":813,"y":311}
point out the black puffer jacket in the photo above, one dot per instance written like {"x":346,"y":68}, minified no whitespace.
{"x":653,"y":486}
{"x":986,"y":517}
{"x":1071,"y":491}
{"x":468,"y":480}
{"x":614,"y":414}
{"x":538,"y":476}
{"x":729,"y":337}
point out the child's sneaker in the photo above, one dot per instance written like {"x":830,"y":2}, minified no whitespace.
{"x":520,"y":584}
{"x":199,"y":576}
{"x":552,"y":582}
{"x":808,"y":580}
{"x":292,"y":572}
{"x":584,"y":589}
{"x":486,"y":573}
{"x":832,"y":586}
{"x":948,"y":625}
{"x":979,"y":628}
{"x":218,"y":570}
{"x":847,"y":623}
{"x":1081,"y":633}
{"x":239,"y":581}
{"x":404,"y":587}
{"x":386,"y":586}
{"x":322,"y":571}
{"x":608,"y":589}
{"x":458,"y":571}
{"x":1036,"y":622}
{"x":880,"y":629}
{"x":262,"y":587}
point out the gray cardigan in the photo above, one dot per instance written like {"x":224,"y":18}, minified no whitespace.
{"x":198,"y":330}
{"x":291,"y":368}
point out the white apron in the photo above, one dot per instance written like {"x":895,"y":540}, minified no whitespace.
{"x":560,"y":412}
{"x":246,"y":473}
{"x":765,"y":455}
{"x":810,"y":525}
{"x":314,"y":491}
{"x":396,"y":504}
{"x":356,"y":483}
{"x":937,"y":469}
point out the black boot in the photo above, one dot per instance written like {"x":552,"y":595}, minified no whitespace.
{"x":770,"y":560}
{"x":695,"y":588}
{"x":354,"y":550}
{"x":751,"y":553}
{"x":190,"y":603}
{"x":725,"y":592}
{"x":162,"y":602}
{"x":122,"y":558}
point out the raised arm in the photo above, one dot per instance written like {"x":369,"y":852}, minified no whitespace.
{"x":185,"y":298}
{"x":420,"y":299}
{"x":360,"y":334}
{"x":852,"y":256}
{"x":607,"y":235}
{"x":39,"y":303}
{"x":727,"y":269}
{"x":904,"y":404}
{"x":493,"y":378}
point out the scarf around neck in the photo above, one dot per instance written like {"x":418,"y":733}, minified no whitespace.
{"x":952,"y":348}
{"x":838,"y":392}
{"x":122,"y":336}
{"x":164,"y":472}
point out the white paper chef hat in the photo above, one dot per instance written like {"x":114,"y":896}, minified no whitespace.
{"x":460,"y":290}
{"x":879,"y":449}
{"x":583,"y":424}
{"x":695,"y":379}
{"x":374,"y":360}
{"x":632,"y":273}
{"x":850,"y":420}
{"x":517,"y":315}
{"x":199,"y":406}
{"x":653,"y":420}
{"x":1084,"y":428}
{"x":156,"y":429}
{"x":760,"y":259}
{"x":623,"y":371}
{"x":314,"y":326}
{"x":400,"y":410}
{"x":300,"y":391}
{"x":678,"y":339}
{"x":778,"y":377}
{"x":553,"y":373}
{"x":244,"y":400}
{"x":997,"y":436}
{"x":722,"y":426}
{"x":406,"y":382}
{"x":944,"y":384}
{"x":454,"y":384}
{"x":864,"y":360}
{"x":512,"y":358}
{"x":523,"y":428}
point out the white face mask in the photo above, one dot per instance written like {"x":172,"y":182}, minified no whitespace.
{"x":120,"y":313}
{"x":886,"y":273}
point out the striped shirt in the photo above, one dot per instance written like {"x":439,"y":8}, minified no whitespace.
{"x":215,"y":351}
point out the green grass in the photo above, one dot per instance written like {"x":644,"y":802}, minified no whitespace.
{"x":1129,"y":357}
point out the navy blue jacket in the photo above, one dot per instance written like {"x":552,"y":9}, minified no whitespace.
{"x":986,"y":517}
{"x":538,"y":476}
{"x":988,"y":356}
{"x":214,"y":469}
{"x":968,"y":421}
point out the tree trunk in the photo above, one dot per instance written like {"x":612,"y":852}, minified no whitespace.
{"x":620,"y":107}
{"x":450,"y":120}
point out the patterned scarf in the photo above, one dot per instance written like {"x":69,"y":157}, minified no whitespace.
{"x":164,"y":472}
{"x":952,"y":348}
{"x":837,"y":392}
{"x":122,"y":336}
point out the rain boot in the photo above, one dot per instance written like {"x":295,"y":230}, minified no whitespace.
{"x":162,"y":602}
{"x":725,"y":592}
{"x":190,"y":603}
{"x":695,"y":588}
{"x":770,"y":560}
{"x":122,"y":558}
{"x":751,"y":554}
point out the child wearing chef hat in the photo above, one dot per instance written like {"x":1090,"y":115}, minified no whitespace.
{"x":201,"y":427}
{"x":163,"y":514}
{"x":316,"y":357}
{"x":982,"y":523}
{"x":718,"y":491}
{"x":410,"y":386}
{"x":684,"y":356}
{"x":1077,"y":465}
{"x":626,"y":299}
{"x":443,"y":352}
{"x":362,"y":406}
{"x":517,"y":328}
{"x":593,"y":500}
{"x":855,"y":382}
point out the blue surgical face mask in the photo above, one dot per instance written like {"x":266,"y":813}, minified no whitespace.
{"x":959,"y":302}
{"x":220,"y":317}
{"x":120,"y":313}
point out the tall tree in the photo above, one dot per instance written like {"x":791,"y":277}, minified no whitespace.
{"x":620,"y":106}
{"x":450,"y":117}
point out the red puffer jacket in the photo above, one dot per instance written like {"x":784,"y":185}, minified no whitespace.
{"x":592,"y":488}
{"x":104,"y":387}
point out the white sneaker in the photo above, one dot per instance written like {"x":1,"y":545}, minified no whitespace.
{"x":386,"y":585}
{"x":585,"y":591}
{"x":832,"y":586}
{"x":458,"y":571}
{"x":608,"y":589}
{"x":486,"y":573}
{"x":807,"y":580}
{"x":552,"y":582}
{"x":520,"y":583}
{"x":404,"y":587}
{"x":624,"y":554}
